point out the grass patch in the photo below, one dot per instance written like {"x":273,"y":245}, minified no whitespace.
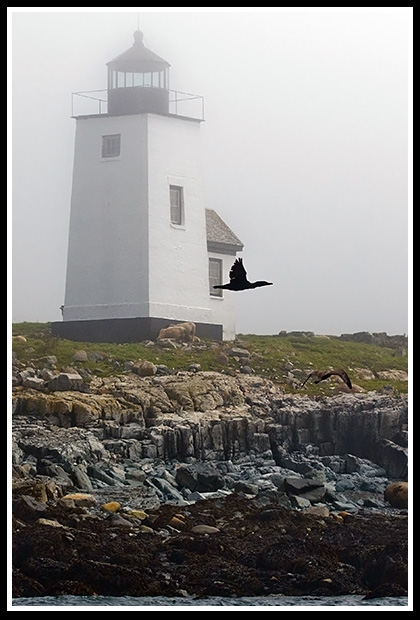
{"x":271,"y":356}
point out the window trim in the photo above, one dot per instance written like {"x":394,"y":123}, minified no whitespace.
{"x":179,"y":191}
{"x":111,"y":143}
{"x":218,"y":293}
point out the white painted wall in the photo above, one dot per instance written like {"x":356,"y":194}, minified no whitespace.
{"x":178,"y":259}
{"x":107,"y":267}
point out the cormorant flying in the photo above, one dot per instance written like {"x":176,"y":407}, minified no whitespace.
{"x":238,"y":279}
{"x":321,"y":375}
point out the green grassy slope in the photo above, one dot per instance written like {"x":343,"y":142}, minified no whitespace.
{"x":270,"y":356}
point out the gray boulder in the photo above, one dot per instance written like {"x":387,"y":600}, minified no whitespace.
{"x":65,"y":381}
{"x":201,"y":477}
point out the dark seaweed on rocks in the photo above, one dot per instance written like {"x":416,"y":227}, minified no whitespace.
{"x":238,"y":551}
{"x":204,"y":484}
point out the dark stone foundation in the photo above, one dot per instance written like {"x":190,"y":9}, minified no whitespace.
{"x":125,"y":330}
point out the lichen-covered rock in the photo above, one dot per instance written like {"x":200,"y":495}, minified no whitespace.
{"x":65,"y":381}
{"x":67,"y":408}
{"x":80,"y":499}
{"x":205,"y":416}
{"x":49,"y":522}
{"x":144,"y":368}
{"x":111,"y":507}
{"x":80,"y":356}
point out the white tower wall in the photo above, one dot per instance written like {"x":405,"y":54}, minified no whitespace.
{"x":125,"y":258}
{"x":178,"y":259}
{"x":107,"y":266}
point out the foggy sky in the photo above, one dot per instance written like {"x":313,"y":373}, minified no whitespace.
{"x":306,"y":151}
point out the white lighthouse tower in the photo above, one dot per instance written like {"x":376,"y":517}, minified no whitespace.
{"x":143,"y":249}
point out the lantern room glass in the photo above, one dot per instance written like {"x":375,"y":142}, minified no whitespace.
{"x":130,"y":79}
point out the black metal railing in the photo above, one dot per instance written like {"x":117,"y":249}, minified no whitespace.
{"x":91,"y":102}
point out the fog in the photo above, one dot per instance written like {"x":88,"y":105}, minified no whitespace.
{"x":306,"y":151}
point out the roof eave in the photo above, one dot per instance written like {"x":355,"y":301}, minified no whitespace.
{"x":223,"y":248}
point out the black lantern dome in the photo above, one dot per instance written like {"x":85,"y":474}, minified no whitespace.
{"x":138,"y":81}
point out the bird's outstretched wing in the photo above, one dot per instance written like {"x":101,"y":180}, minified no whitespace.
{"x":237,"y":271}
{"x":339,"y":373}
{"x":307,"y":378}
{"x":320,"y":375}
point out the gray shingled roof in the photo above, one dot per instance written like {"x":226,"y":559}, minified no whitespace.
{"x":219,"y":236}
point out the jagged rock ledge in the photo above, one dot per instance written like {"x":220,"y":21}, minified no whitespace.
{"x":136,"y":435}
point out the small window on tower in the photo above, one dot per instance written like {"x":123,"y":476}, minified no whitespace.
{"x":177,"y":205}
{"x":111,"y":145}
{"x":215,"y":276}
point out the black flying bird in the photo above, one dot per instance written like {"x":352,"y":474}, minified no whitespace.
{"x":238,"y":279}
{"x":321,"y":375}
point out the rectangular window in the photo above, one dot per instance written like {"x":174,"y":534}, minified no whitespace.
{"x":111,"y":145}
{"x":177,"y":204}
{"x":215,"y":276}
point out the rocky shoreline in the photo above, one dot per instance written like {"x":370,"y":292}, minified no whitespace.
{"x":201,"y":483}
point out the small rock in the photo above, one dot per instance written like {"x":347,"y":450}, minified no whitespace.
{"x":27,"y":508}
{"x":80,"y":499}
{"x":65,"y":381}
{"x":236,"y":352}
{"x":136,"y":514}
{"x":144,"y":368}
{"x":36,"y":383}
{"x":116,"y":519}
{"x":178,"y":524}
{"x":80,"y":356}
{"x":50,"y":359}
{"x":319,"y":511}
{"x":162,"y":369}
{"x":50,"y":522}
{"x":246,"y":487}
{"x":146,"y":529}
{"x":396,"y":494}
{"x":204,"y":529}
{"x":111,"y":507}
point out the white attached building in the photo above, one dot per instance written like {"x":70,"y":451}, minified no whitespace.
{"x":143,"y":250}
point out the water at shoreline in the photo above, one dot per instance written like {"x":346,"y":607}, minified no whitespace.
{"x":215,"y":601}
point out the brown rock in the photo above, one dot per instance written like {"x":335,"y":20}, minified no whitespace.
{"x":79,"y":499}
{"x":205,"y":529}
{"x":396,"y":494}
{"x":111,"y":507}
{"x":178,"y":524}
{"x":144,"y":368}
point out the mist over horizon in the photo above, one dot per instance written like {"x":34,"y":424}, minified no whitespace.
{"x":305,"y":152}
